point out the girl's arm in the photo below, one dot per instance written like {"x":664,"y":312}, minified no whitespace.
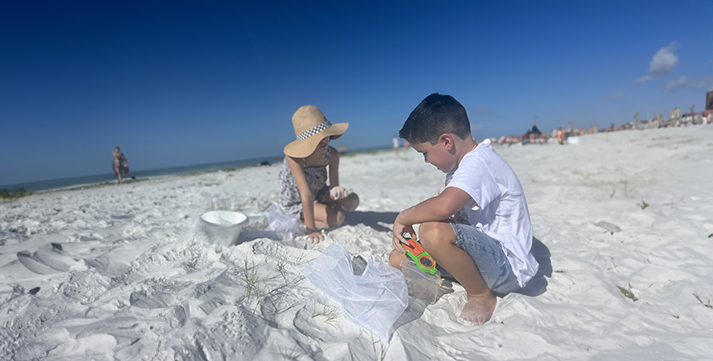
{"x":336,"y":192}
{"x":306,"y":195}
{"x":333,"y":168}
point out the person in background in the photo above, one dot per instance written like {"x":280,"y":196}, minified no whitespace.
{"x":120,"y":165}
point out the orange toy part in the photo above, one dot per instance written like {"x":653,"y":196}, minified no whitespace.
{"x":423,"y":260}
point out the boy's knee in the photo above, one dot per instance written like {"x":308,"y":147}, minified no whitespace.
{"x":432,"y":234}
{"x":395,"y":258}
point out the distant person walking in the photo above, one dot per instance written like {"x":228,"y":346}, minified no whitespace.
{"x":120,"y":165}
{"x":395,"y":144}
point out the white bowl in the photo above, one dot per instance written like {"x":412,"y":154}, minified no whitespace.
{"x":223,"y":226}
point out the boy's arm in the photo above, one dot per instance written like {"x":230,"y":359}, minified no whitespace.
{"x":435,"y":209}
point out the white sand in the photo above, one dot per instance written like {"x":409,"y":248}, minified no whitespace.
{"x":121,"y":275}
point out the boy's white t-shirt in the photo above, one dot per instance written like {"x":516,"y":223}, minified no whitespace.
{"x":497,"y":206}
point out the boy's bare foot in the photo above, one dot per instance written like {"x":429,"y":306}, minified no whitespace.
{"x":479,"y":308}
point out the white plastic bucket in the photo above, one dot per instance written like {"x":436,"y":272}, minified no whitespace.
{"x":224,"y":227}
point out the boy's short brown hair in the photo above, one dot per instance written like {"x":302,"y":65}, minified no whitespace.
{"x":435,"y":115}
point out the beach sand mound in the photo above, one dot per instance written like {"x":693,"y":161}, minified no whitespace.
{"x":623,"y":222}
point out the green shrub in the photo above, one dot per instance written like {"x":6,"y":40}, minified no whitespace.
{"x":18,"y":193}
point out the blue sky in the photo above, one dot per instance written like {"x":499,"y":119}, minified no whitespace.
{"x":188,"y":82}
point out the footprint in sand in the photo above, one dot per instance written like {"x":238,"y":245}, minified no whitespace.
{"x":35,"y":265}
{"x":325,"y":323}
{"x":46,"y":261}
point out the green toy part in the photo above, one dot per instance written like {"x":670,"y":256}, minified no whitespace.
{"x":423,"y":260}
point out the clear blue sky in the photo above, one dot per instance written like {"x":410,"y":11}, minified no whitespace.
{"x":188,"y":82}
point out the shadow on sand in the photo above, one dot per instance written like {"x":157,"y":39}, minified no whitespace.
{"x":250,"y":234}
{"x":372,"y":219}
{"x":379,"y":221}
{"x":538,"y":284}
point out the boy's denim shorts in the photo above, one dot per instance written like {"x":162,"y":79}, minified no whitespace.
{"x":488,"y":256}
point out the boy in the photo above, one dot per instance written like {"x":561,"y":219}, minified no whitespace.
{"x":478,"y":229}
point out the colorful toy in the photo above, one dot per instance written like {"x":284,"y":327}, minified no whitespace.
{"x":423,"y":260}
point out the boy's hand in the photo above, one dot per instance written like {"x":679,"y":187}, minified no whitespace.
{"x":435,"y":209}
{"x":399,"y":230}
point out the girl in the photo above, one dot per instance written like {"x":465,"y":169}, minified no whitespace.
{"x":303,"y":178}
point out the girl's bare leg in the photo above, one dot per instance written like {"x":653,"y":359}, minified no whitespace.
{"x":327,"y":216}
{"x":347,"y":204}
{"x":350,"y":203}
{"x":330,"y":214}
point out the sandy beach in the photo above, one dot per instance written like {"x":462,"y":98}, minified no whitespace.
{"x":624,"y":230}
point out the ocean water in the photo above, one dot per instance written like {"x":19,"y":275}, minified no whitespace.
{"x":53,"y":184}
{"x":63,"y":183}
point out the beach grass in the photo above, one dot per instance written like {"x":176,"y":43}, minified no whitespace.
{"x":643,"y":204}
{"x":12,"y":195}
{"x":708,"y":304}
{"x":292,"y":354}
{"x":281,"y":268}
{"x":100,"y":185}
{"x":330,"y":313}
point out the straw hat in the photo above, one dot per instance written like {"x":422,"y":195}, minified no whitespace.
{"x":311,"y":126}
